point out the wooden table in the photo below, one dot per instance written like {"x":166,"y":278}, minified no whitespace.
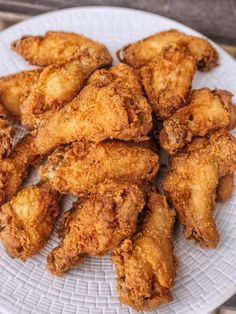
{"x":214,"y":18}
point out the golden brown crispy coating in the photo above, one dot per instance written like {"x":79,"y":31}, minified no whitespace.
{"x":110,"y":107}
{"x":146,"y":266}
{"x":27,"y":221}
{"x":192,"y":181}
{"x":55,"y":47}
{"x":14,"y":87}
{"x":96,"y":224}
{"x":145,"y":50}
{"x":13,"y":169}
{"x":168,"y":78}
{"x":7,"y":133}
{"x":205,"y":111}
{"x":58,"y":84}
{"x":77,"y":168}
{"x":225,"y":188}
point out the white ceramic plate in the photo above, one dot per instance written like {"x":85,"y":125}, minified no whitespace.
{"x":205,"y":279}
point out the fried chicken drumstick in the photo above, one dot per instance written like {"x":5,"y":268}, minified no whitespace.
{"x":14,"y":87}
{"x":145,"y":266}
{"x":168,"y":78}
{"x":112,"y":106}
{"x":205,"y":111}
{"x":55,"y":47}
{"x":96,"y":224}
{"x":143,"y":51}
{"x":57,"y":85}
{"x":77,"y":168}
{"x":13,"y":169}
{"x":27,"y":221}
{"x":191,"y":184}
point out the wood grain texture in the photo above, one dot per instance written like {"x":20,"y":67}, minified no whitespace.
{"x":214,"y":18}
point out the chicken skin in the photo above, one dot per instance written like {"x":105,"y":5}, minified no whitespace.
{"x":79,"y":167}
{"x":191,"y":183}
{"x":14,"y":87}
{"x":225,"y":188}
{"x":7,"y":133}
{"x":58,"y":84}
{"x":96,"y":224}
{"x":55,"y":47}
{"x":205,"y":111}
{"x":27,"y":221}
{"x":145,"y":266}
{"x":143,"y":51}
{"x":168,"y":78}
{"x":13,"y":169}
{"x":110,"y":107}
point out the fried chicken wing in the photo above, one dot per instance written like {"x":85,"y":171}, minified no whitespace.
{"x":205,"y":111}
{"x":27,"y":221}
{"x":111,"y":107}
{"x":7,"y":133}
{"x":55,"y":47}
{"x":142,"y":52}
{"x":96,"y":224}
{"x":191,"y":184}
{"x":77,"y":168}
{"x":13,"y":169}
{"x":145,"y":266}
{"x":58,"y":84}
{"x":168,"y":78}
{"x":225,"y":188}
{"x":14,"y":87}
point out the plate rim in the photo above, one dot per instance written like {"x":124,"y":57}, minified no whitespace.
{"x":223,"y":297}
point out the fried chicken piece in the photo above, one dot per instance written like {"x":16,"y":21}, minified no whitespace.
{"x":58,"y":84}
{"x":191,"y":184}
{"x":145,"y":266}
{"x":14,"y":87}
{"x":13,"y":169}
{"x":225,"y":188}
{"x":96,"y":224}
{"x":77,"y":168}
{"x":205,"y":111}
{"x":168,"y":78}
{"x":7,"y":133}
{"x":27,"y":221}
{"x":110,"y":107}
{"x":143,"y":51}
{"x":55,"y":47}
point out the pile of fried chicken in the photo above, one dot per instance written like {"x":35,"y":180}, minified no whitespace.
{"x":95,"y":131}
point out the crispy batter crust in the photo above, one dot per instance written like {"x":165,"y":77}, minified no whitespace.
{"x":13,"y":169}
{"x":55,"y":47}
{"x":14,"y":87}
{"x":96,"y":224}
{"x":76,"y":169}
{"x":57,"y":85}
{"x":168,"y":78}
{"x":146,"y":266}
{"x":225,"y":188}
{"x":110,"y":107}
{"x":206,"y":111}
{"x":27,"y":221}
{"x":143,"y":51}
{"x":7,"y":133}
{"x":192,"y":181}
